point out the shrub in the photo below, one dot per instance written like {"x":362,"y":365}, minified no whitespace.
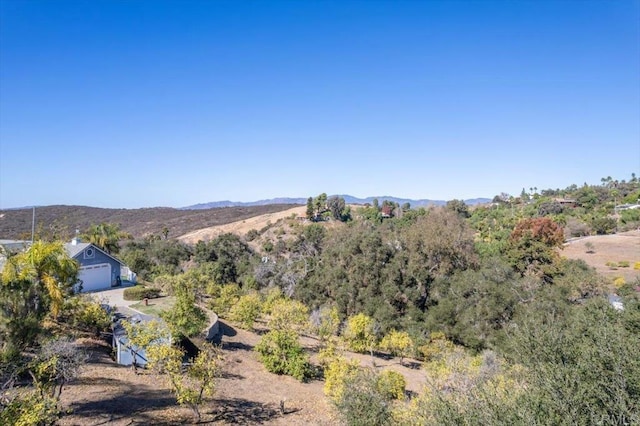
{"x":623,"y":264}
{"x":636,"y":266}
{"x":246,"y":310}
{"x":619,"y":282}
{"x":224,"y":298}
{"x":612,"y":265}
{"x":362,"y":404}
{"x":92,"y":316}
{"x":140,"y":292}
{"x":391,"y":384}
{"x":281,"y":353}
{"x":576,"y":228}
{"x":30,"y":409}
{"x":336,"y":375}
{"x":252,"y":234}
{"x":359,"y":334}
{"x":604,"y":225}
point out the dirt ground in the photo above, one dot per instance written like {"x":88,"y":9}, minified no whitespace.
{"x":107,"y":393}
{"x":608,"y":248}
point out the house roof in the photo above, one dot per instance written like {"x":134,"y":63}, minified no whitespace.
{"x":75,"y":249}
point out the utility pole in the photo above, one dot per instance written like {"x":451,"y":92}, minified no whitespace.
{"x":33,"y":224}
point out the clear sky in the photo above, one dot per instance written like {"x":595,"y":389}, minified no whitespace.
{"x":172,"y":103}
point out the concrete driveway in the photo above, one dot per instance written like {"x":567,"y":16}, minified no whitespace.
{"x":113,"y":297}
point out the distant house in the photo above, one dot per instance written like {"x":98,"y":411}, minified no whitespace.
{"x":98,"y":269}
{"x":386,"y":211}
{"x":566,"y":202}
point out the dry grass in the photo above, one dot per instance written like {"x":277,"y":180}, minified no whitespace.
{"x":241,"y":227}
{"x":608,"y":249}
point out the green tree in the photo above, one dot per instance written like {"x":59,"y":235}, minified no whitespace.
{"x":281,"y":353}
{"x":246,"y":310}
{"x":319,"y":205}
{"x":359,"y":334}
{"x":398,"y":343}
{"x":34,"y":283}
{"x":107,"y":236}
{"x":288,"y":314}
{"x":579,"y":368}
{"x":185,"y":318}
{"x":337,"y":207}
{"x":310,"y":209}
{"x":459,"y":207}
{"x":532,"y":246}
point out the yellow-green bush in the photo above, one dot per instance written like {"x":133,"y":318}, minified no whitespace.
{"x":612,"y":265}
{"x":31,"y":409}
{"x":359,"y":334}
{"x":246,"y":310}
{"x":224,"y":298}
{"x":391,"y":384}
{"x":398,"y":343}
{"x":636,"y":266}
{"x":619,"y":282}
{"x":335,"y":376}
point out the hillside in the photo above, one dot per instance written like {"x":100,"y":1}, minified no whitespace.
{"x":64,"y":220}
{"x":242,"y":226}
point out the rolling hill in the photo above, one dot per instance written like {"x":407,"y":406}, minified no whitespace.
{"x":64,"y":220}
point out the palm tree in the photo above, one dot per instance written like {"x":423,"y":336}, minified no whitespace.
{"x":107,"y":236}
{"x":37,"y":281}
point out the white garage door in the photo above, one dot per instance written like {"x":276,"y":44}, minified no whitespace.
{"x":95,"y":277}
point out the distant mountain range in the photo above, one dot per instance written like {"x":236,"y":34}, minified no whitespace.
{"x":349,"y":199}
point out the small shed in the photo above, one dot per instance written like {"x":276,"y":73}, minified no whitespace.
{"x":126,"y":353}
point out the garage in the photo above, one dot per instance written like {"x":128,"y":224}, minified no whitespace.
{"x":95,"y":277}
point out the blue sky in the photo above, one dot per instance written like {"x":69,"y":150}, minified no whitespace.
{"x":172,"y":103}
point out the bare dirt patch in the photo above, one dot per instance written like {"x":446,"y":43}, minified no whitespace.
{"x":622,"y":247}
{"x":241,"y":227}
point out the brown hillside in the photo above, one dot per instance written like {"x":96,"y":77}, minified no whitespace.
{"x":242,"y":226}
{"x":64,"y":220}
